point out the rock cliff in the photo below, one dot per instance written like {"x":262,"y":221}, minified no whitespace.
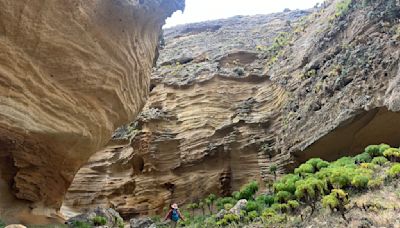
{"x":71,"y":72}
{"x":230,"y":98}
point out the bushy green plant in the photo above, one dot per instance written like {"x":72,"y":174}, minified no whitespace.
{"x":393,"y":154}
{"x":120,"y":223}
{"x":270,"y":216}
{"x":367,"y":166}
{"x":252,"y":215}
{"x":281,"y":207}
{"x":228,"y":219}
{"x":344,"y":162}
{"x":337,"y":200}
{"x":247,"y":191}
{"x":80,"y":224}
{"x":225,"y":200}
{"x":252,"y":206}
{"x":363,"y":158}
{"x":2,"y":224}
{"x":340,"y":177}
{"x":99,"y":221}
{"x":379,"y":160}
{"x":342,"y":8}
{"x":360,"y":181}
{"x":304,"y":168}
{"x":236,"y":195}
{"x":283,"y":196}
{"x":287,"y":183}
{"x":309,"y":190}
{"x":373,"y":150}
{"x":267,"y":200}
{"x":293,"y":205}
{"x":394,"y":171}
{"x":228,"y":206}
{"x":375,"y":183}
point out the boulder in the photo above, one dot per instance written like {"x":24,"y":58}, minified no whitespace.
{"x":113,"y":219}
{"x":239,"y":206}
{"x":141,"y":223}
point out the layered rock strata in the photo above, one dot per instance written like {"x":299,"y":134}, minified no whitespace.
{"x":71,"y":72}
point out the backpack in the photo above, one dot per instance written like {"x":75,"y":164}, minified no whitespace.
{"x":174,"y":215}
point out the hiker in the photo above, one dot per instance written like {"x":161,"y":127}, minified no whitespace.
{"x":174,"y":215}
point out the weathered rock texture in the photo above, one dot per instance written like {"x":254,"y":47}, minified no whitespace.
{"x":70,"y":73}
{"x":229,"y":98}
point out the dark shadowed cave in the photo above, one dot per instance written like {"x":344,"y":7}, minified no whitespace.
{"x":376,"y":126}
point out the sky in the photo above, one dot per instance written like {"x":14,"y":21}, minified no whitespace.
{"x":203,"y":10}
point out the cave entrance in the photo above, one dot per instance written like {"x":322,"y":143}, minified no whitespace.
{"x":376,"y":126}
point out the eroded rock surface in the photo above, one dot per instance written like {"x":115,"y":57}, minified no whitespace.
{"x":71,"y":72}
{"x":230,"y":98}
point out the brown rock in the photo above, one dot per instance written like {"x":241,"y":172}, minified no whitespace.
{"x":71,"y":72}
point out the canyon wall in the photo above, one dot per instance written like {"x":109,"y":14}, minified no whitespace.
{"x":71,"y":72}
{"x":230,"y":98}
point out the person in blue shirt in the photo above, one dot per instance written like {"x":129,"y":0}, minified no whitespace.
{"x":174,"y":215}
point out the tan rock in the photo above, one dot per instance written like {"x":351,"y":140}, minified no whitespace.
{"x":71,"y":72}
{"x":227,"y":102}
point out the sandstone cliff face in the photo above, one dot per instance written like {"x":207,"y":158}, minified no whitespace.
{"x":230,"y":98}
{"x":70,"y":73}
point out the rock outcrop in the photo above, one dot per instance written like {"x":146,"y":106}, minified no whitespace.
{"x":71,"y":72}
{"x":230,"y":98}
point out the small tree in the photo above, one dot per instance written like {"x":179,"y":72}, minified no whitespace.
{"x":210,"y":201}
{"x":338,"y":199}
{"x":201,"y":206}
{"x":272,"y":170}
{"x":309,"y":190}
{"x":192,"y":207}
{"x":269,"y":183}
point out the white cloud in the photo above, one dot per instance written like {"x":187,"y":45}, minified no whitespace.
{"x":202,"y":10}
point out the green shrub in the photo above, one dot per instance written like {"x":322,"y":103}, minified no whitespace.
{"x":344,"y":162}
{"x":270,"y":216}
{"x":304,"y":168}
{"x":375,"y":183}
{"x":283,"y":196}
{"x":340,"y":178}
{"x":363,"y":158}
{"x":252,"y":215}
{"x":394,"y":171}
{"x":228,"y":206}
{"x":293,"y":205}
{"x":360,"y":181}
{"x":247,"y":191}
{"x":373,"y":150}
{"x":342,"y":8}
{"x":99,"y":221}
{"x":393,"y":154}
{"x":281,"y":207}
{"x":228,"y":219}
{"x":225,"y":200}
{"x":336,"y":201}
{"x":287,"y":183}
{"x":379,"y":160}
{"x":80,"y":224}
{"x":252,"y":206}
{"x":267,"y":200}
{"x":317,"y":163}
{"x":367,"y":166}
{"x":2,"y":224}
{"x":236,"y":195}
{"x":309,"y":190}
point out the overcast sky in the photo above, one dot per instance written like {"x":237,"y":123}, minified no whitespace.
{"x":202,"y":10}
